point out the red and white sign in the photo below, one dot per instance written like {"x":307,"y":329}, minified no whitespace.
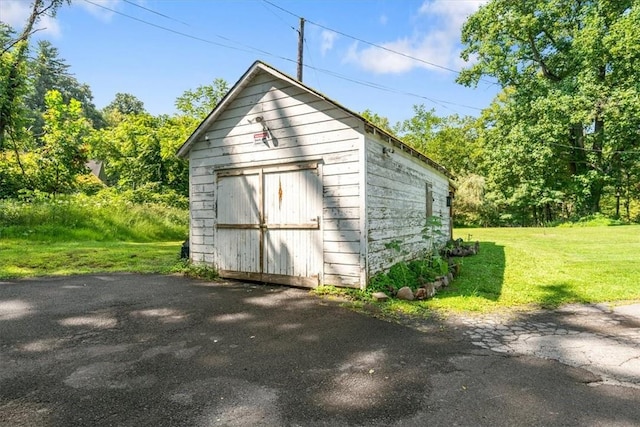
{"x":261,"y":137}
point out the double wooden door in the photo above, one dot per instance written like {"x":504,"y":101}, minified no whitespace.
{"x":268,"y":224}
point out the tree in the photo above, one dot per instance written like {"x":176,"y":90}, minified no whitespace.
{"x":380,"y":121}
{"x":47,"y":71}
{"x":13,"y":84}
{"x":172,"y":133}
{"x":63,"y":154}
{"x":131,"y":151}
{"x":15,"y":136}
{"x":200,"y":102}
{"x":125,"y":103}
{"x":420,"y":130}
{"x":570,"y":90}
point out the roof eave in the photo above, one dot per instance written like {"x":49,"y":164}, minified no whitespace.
{"x":261,"y":66}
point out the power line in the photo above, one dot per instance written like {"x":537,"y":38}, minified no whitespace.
{"x":250,"y":49}
{"x":155,"y":12}
{"x":279,"y":17}
{"x":432,"y":64}
{"x":243,"y":47}
{"x":592,"y":150}
{"x":180,"y":33}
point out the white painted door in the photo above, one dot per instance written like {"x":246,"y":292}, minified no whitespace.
{"x":271,"y":229}
{"x":238,"y":214}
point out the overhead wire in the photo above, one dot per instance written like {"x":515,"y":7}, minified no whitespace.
{"x":243,"y":47}
{"x":278,"y":17}
{"x":405,"y":55}
{"x":251,"y":49}
{"x":155,"y":12}
{"x":180,"y":33}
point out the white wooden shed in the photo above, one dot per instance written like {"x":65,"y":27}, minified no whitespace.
{"x":290,"y":187}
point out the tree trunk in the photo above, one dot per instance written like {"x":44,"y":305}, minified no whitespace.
{"x":12,"y":79}
{"x":578,"y":155}
{"x":597,"y":185}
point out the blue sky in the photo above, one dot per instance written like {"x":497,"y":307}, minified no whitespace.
{"x":114,"y":53}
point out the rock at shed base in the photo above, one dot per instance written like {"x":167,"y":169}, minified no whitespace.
{"x":380,"y":296}
{"x":405,"y":294}
{"x":421,"y":293}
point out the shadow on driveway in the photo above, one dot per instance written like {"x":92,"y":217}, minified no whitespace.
{"x":134,"y":350}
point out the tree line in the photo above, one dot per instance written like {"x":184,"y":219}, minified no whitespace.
{"x":560,"y":142}
{"x":50,"y":127}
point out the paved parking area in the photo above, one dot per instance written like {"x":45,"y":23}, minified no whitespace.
{"x":149,"y":350}
{"x":601,"y":339}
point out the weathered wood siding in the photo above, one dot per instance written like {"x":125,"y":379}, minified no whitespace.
{"x":397,"y":206}
{"x":303,"y":128}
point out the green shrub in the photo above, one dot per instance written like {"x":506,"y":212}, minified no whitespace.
{"x":595,"y":220}
{"x":105,"y":216}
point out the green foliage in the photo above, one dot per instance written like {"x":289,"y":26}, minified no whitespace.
{"x":414,"y":273}
{"x":139,"y":150}
{"x":154,"y":193}
{"x":377,"y":120}
{"x":13,"y":87}
{"x":47,"y":72}
{"x":23,"y":257}
{"x":46,"y":139}
{"x":105,"y":216}
{"x":89,"y":184}
{"x":198,"y":271}
{"x":525,"y":268}
{"x":63,"y":154}
{"x":125,"y":104}
{"x":13,"y":61}
{"x":200,"y":102}
{"x":471,"y":206}
{"x":563,"y":133}
{"x":420,"y":130}
{"x":595,"y":220}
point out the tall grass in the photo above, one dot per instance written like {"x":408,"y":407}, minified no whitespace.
{"x":77,"y":234}
{"x":101,"y":217}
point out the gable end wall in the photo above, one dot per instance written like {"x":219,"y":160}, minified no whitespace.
{"x":303,"y":128}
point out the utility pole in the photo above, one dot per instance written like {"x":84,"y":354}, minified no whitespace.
{"x":300,"y":48}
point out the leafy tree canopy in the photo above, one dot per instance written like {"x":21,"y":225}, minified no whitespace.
{"x":200,"y":102}
{"x":125,"y":103}
{"x":564,"y":132}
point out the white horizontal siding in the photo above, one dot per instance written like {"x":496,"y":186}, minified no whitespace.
{"x":303,"y":127}
{"x":396,"y":205}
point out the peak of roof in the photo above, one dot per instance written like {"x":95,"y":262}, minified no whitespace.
{"x":259,"y":66}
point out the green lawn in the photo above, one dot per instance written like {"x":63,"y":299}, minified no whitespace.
{"x":516,"y":267}
{"x":80,"y":234}
{"x":545,"y":267}
{"x":28,"y":258}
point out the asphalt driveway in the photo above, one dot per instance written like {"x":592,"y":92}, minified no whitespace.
{"x":132,"y":350}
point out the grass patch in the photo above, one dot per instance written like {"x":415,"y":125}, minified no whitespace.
{"x":80,"y":234}
{"x":101,"y":217}
{"x":22,"y":258}
{"x":546,"y":267}
{"x":519,"y":268}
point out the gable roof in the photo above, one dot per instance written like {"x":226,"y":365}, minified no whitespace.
{"x":260,"y":66}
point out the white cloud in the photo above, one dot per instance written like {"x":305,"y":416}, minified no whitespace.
{"x":328,"y":38}
{"x":16,"y":12}
{"x":101,"y":13}
{"x":438,"y":45}
{"x":455,"y":12}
